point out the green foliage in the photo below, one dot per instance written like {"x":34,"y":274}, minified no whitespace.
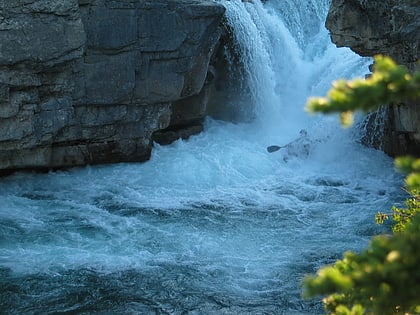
{"x":383,"y":279}
{"x":402,"y":216}
{"x":410,"y":166}
{"x":388,"y":83}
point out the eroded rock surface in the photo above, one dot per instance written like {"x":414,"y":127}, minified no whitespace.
{"x":90,"y":81}
{"x":389,"y":27}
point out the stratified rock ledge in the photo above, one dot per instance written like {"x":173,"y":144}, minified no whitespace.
{"x":90,"y":81}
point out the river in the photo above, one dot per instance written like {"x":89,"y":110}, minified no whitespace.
{"x":214,"y":224}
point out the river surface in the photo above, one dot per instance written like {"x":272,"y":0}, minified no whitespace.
{"x":214,"y":224}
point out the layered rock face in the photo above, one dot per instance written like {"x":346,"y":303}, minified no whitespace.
{"x":91,"y":81}
{"x":389,"y":27}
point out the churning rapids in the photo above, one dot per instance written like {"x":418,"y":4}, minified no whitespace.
{"x":214,"y":224}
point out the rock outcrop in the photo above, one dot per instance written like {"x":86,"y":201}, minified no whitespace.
{"x":389,"y":27}
{"x":91,"y":81}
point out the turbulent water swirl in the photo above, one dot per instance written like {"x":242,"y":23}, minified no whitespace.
{"x":215,"y":224}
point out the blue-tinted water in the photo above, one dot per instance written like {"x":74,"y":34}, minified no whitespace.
{"x":214,"y":224}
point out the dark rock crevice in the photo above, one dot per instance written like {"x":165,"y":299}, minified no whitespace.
{"x":388,"y":27}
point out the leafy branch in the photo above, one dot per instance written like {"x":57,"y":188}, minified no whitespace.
{"x":388,"y":83}
{"x":385,"y":278}
{"x":402,"y":216}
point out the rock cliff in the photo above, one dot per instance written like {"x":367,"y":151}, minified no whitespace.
{"x":93,"y":81}
{"x":389,"y":27}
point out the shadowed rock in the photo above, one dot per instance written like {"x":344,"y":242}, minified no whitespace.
{"x":389,"y":27}
{"x":90,"y":81}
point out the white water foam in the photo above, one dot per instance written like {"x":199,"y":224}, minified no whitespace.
{"x":217,"y":214}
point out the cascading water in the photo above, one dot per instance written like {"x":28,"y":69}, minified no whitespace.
{"x":215,"y":224}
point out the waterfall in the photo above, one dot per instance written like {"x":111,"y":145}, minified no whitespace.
{"x":287,"y":56}
{"x":214,"y":224}
{"x":258,"y":38}
{"x":374,"y":127}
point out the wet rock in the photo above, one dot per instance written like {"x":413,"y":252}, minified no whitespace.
{"x":90,"y":81}
{"x":388,"y":27}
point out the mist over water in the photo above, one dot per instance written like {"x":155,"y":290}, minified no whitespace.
{"x":214,"y":224}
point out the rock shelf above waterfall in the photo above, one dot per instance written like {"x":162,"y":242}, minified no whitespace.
{"x":89,"y":81}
